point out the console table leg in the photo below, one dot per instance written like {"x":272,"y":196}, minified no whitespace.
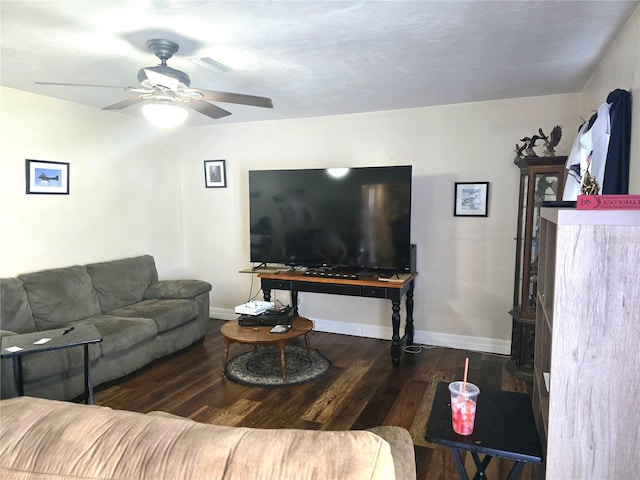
{"x":294,"y":302}
{"x":395,"y":339}
{"x":409,"y":327}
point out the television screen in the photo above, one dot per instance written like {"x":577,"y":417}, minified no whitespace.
{"x":357,"y":218}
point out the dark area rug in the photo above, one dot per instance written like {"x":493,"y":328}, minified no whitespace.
{"x":261,"y":367}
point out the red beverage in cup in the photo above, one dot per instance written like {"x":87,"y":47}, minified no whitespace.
{"x":463,"y":407}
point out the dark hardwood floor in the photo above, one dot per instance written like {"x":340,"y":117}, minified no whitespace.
{"x":362,"y":390}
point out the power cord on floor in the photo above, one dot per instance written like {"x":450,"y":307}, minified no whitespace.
{"x":416,"y":348}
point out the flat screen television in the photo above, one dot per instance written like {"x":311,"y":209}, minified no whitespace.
{"x":356,"y":219}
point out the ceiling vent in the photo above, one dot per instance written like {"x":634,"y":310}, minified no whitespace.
{"x":211,"y":64}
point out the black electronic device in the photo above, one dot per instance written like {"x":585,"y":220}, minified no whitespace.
{"x":316,"y":218}
{"x":279,"y":309}
{"x":266,"y":319}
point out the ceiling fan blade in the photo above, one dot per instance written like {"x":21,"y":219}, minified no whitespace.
{"x":129,"y":89}
{"x":82,"y":85}
{"x":205,"y":108}
{"x":240,"y":98}
{"x":126,"y":103}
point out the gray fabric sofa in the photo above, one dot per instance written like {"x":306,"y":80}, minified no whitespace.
{"x":139,"y":317}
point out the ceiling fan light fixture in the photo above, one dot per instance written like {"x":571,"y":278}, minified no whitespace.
{"x":164,"y":114}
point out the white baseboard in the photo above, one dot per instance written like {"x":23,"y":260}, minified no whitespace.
{"x":420,"y":337}
{"x":463,"y":342}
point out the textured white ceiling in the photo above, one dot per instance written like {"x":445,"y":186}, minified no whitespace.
{"x":312,"y":58}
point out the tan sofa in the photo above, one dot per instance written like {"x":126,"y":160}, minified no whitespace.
{"x":48,"y":439}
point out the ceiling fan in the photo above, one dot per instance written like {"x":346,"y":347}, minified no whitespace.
{"x":170,"y":88}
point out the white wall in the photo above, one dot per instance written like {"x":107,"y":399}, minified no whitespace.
{"x":620,"y":68}
{"x":124,"y":196}
{"x":465,"y":286}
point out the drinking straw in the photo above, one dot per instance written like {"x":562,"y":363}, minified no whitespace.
{"x":464,"y":378}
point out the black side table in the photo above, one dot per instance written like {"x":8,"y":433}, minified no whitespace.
{"x":17,"y":346}
{"x":504,"y":427}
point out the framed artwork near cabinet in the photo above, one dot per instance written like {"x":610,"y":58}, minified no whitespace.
{"x":471,"y":199}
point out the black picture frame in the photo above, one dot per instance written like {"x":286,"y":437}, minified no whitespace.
{"x":215,"y":174}
{"x":471,"y":199}
{"x":44,"y":177}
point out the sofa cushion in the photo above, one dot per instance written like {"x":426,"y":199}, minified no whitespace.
{"x":60,"y":296}
{"x":177,"y":289}
{"x":121,"y":333}
{"x":15,"y":312}
{"x":50,"y":439}
{"x":167,"y":314}
{"x":122,"y":282}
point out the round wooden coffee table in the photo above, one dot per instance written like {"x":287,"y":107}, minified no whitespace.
{"x":233,"y":332}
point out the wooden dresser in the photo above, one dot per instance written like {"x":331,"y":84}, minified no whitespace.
{"x":588,"y":343}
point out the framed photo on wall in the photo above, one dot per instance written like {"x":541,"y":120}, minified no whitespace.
{"x":215,"y":174}
{"x":43,"y":177}
{"x":471,"y":199}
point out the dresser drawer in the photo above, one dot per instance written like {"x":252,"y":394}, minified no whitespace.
{"x":335,"y":289}
{"x":278,"y":284}
{"x":377,"y":292}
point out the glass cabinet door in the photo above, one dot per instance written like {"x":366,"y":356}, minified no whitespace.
{"x":544,"y":187}
{"x":541,"y":179}
{"x":522,"y":227}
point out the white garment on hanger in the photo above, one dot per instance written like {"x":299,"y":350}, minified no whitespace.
{"x":574,"y":167}
{"x":590,"y":152}
{"x":596,"y":142}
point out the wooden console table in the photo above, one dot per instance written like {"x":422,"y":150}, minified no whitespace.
{"x":393,"y":289}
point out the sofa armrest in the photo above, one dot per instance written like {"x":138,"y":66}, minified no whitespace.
{"x":176,"y":289}
{"x":402,"y":450}
{"x":6,"y":333}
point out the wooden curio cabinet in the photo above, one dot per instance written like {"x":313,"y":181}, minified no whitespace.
{"x":541,"y":179}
